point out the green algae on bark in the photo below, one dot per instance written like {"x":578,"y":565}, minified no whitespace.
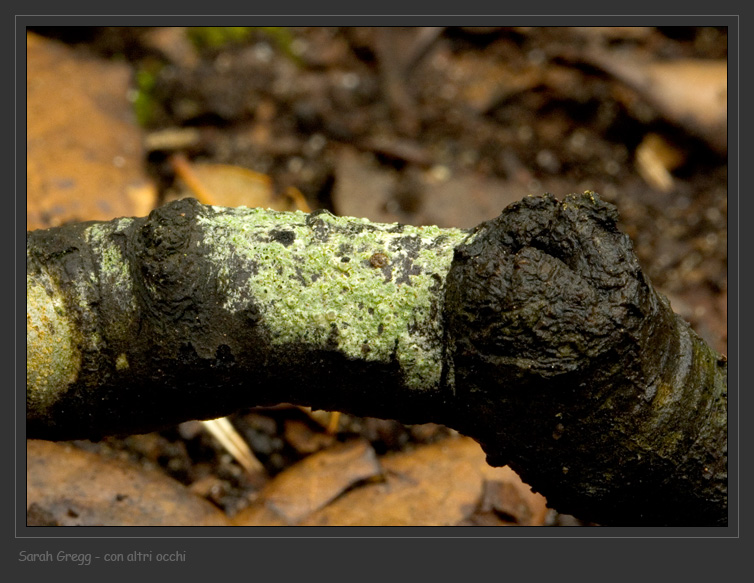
{"x":535,"y":333}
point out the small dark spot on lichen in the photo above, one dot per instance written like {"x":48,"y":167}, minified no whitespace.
{"x":284,"y":237}
{"x":378,"y":260}
{"x":345,"y":259}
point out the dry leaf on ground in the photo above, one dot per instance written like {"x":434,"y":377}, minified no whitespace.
{"x":466,"y":199}
{"x":508,"y":500}
{"x":227,"y":185}
{"x":692,"y":93}
{"x":68,"y":486}
{"x":435,"y":485}
{"x":312,"y":483}
{"x":84,"y":150}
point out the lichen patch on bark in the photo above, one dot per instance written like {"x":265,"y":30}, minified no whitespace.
{"x":114,"y":271}
{"x":314,"y":280}
{"x":52,"y":356}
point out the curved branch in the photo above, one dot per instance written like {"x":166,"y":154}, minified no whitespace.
{"x":535,"y":333}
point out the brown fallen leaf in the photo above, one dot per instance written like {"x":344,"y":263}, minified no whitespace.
{"x":508,"y":500}
{"x":467,"y":198}
{"x":364,"y":189}
{"x":441,"y":484}
{"x":232,"y":186}
{"x":84,"y":149}
{"x":67,"y":486}
{"x":691,"y":93}
{"x":227,"y":185}
{"x":310,"y":484}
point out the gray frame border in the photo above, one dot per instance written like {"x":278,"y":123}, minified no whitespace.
{"x":225,"y":551}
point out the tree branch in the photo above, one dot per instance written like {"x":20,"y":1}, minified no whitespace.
{"x":536,"y":333}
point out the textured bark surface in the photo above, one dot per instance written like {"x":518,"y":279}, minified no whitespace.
{"x":577,"y":373}
{"x":535,"y":333}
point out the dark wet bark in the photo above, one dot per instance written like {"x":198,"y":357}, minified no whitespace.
{"x":572,"y":369}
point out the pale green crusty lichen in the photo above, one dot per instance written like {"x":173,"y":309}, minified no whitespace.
{"x":52,"y":356}
{"x":114,"y":272}
{"x":321,"y":287}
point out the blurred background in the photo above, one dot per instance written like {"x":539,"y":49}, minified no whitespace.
{"x":420,"y":125}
